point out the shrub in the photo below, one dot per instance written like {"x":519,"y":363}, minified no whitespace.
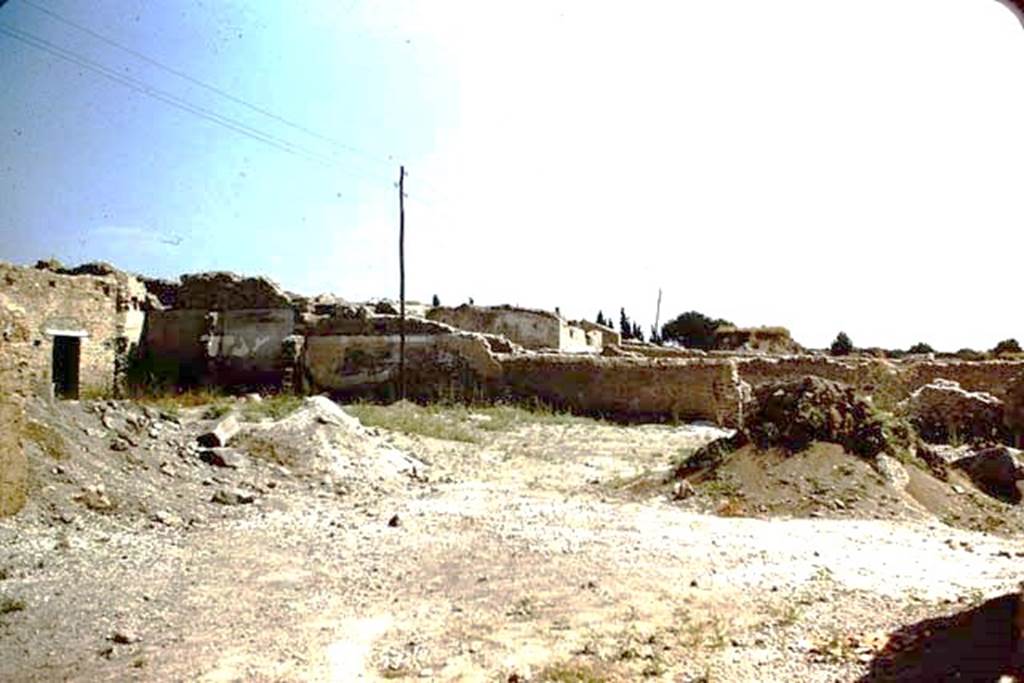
{"x":920,"y":348}
{"x":692,"y":329}
{"x":1007,"y":346}
{"x":842,"y":346}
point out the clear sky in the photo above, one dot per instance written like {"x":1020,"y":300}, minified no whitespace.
{"x":817,"y":164}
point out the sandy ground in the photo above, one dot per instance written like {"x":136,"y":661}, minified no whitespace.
{"x":518,"y":558}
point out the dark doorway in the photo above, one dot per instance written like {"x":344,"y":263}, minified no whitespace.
{"x":66,"y":354}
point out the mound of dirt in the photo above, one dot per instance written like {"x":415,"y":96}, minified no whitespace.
{"x":793,"y":414}
{"x":111,"y":462}
{"x":814,"y":448}
{"x":321,"y":438}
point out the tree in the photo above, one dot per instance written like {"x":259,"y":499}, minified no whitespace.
{"x":692,"y":329}
{"x":655,"y":337}
{"x":920,"y":347}
{"x":1007,"y":346}
{"x":625,"y":329}
{"x":842,"y":346}
{"x":600,"y":319}
{"x":436,"y":301}
{"x":638,"y":333}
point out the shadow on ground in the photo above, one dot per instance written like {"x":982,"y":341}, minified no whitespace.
{"x":975,"y":645}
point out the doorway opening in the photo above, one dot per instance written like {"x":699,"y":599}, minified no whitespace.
{"x":67,"y":353}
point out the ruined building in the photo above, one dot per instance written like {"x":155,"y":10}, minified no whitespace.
{"x":95,"y":330}
{"x":68,"y":332}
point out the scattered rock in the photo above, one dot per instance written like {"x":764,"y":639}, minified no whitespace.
{"x":682,"y":490}
{"x":893,"y":471}
{"x":95,"y":498}
{"x":124,"y":637}
{"x":221,"y":434}
{"x":167,"y":518}
{"x":223,"y":457}
{"x":232,"y":497}
{"x":998,"y":471}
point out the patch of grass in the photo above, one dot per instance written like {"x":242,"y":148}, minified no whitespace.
{"x":9,"y":605}
{"x":94,"y":394}
{"x":275,"y":406}
{"x":503,"y":417}
{"x":523,"y":608}
{"x":569,"y":672}
{"x":48,"y":439}
{"x":217,"y":410}
{"x":174,"y":402}
{"x":410,"y":418}
{"x":460,"y":422}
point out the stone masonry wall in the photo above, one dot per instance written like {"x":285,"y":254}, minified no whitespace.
{"x":33,"y":302}
{"x":629,"y":387}
{"x":448,"y":364}
{"x":530,"y":329}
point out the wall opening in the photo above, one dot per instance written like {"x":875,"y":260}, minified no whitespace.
{"x":67,"y":353}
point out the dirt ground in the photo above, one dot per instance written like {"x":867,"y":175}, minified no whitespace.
{"x":530,"y":549}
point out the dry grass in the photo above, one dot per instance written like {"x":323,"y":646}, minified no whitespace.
{"x":275,"y":407}
{"x":571,"y":672}
{"x":48,"y":439}
{"x":457,"y":422}
{"x":174,"y":403}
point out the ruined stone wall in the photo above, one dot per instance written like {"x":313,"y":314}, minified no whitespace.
{"x":448,"y":364}
{"x":530,"y":329}
{"x":228,"y":291}
{"x":769,"y":340}
{"x":189,"y":346}
{"x":856,"y":372}
{"x":990,"y":376}
{"x":609,"y":336}
{"x":573,"y":339}
{"x":34,"y":304}
{"x":629,"y":387}
{"x":893,"y":379}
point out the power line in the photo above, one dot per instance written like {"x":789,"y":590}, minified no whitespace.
{"x":202,"y":84}
{"x":144,"y":88}
{"x":431,"y":187}
{"x":168,"y":98}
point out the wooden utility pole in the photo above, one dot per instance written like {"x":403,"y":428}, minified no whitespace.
{"x":657,"y":313}
{"x":401,"y":282}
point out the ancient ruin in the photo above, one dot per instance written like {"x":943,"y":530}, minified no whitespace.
{"x":557,"y":438}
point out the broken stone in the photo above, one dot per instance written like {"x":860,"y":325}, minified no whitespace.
{"x":682,"y":490}
{"x":224,"y":431}
{"x":232,"y":497}
{"x":998,"y":471}
{"x":167,"y":518}
{"x":223,"y":457}
{"x":124,"y":637}
{"x":95,"y":498}
{"x":893,"y":471}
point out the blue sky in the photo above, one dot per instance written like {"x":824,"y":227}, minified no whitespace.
{"x":820,"y":165}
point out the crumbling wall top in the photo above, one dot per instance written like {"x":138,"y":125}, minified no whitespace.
{"x":224,"y":291}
